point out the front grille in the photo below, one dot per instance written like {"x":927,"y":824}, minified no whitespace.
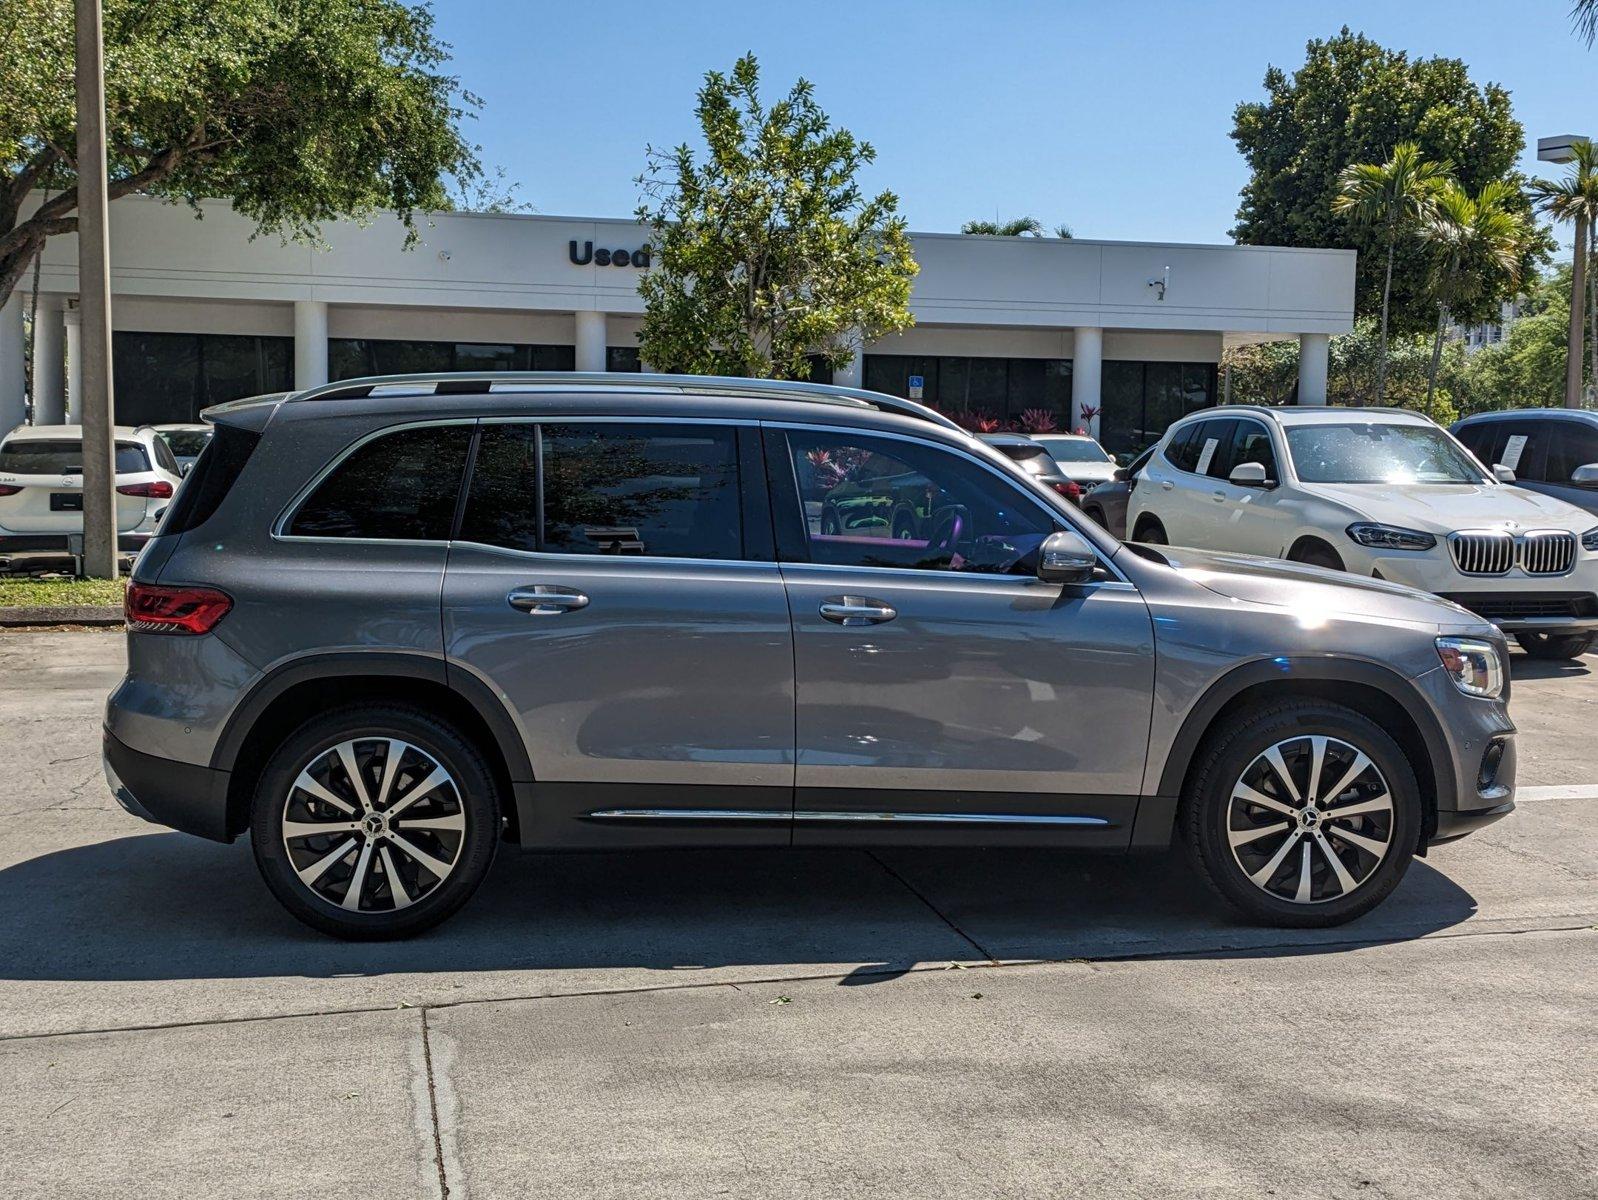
{"x":1494,"y":551}
{"x":1511,"y":606}
{"x":1487,"y":553}
{"x":1547,"y":552}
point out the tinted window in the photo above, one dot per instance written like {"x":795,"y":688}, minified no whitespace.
{"x":1075,"y":450}
{"x":186,"y":442}
{"x":163,"y":455}
{"x":1183,"y":450}
{"x":202,"y":491}
{"x":1251,"y":443}
{"x":876,"y":502}
{"x":1478,"y":439}
{"x":400,"y":485}
{"x":1573,"y":444}
{"x":1377,"y":453}
{"x":64,"y":457}
{"x":502,"y":509}
{"x":1522,"y":446}
{"x":1215,"y":449}
{"x":661,"y":490}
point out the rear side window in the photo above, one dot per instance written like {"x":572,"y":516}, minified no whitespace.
{"x":1215,"y":449}
{"x":163,"y":456}
{"x":624,"y":488}
{"x":29,"y":456}
{"x":400,"y":486}
{"x":205,"y":487}
{"x":1183,"y":453}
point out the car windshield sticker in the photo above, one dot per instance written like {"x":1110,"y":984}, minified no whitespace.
{"x":1512,"y":450}
{"x":1208,"y":453}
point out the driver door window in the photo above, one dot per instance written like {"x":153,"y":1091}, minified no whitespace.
{"x":881,"y":502}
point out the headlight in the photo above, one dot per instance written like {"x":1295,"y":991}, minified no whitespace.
{"x":1391,"y":537}
{"x":1473,"y":665}
{"x":1589,"y":540}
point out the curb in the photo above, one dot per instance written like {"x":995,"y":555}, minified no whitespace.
{"x":61,"y":614}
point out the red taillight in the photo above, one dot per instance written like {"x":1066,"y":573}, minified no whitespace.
{"x":151,"y":608}
{"x":1070,"y":489}
{"x":9,"y":489}
{"x":159,"y":490}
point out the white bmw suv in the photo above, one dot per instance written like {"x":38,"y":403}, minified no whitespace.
{"x":1383,"y":493}
{"x":41,"y":489}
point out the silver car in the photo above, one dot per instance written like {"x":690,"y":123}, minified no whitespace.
{"x":389,"y":624}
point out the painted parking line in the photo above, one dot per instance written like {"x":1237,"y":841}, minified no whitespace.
{"x":1573,"y":791}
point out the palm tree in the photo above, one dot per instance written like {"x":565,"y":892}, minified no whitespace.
{"x":1477,"y":245}
{"x":1063,"y":231}
{"x":1584,"y":16}
{"x":1019,"y":227}
{"x":1575,"y":198}
{"x":1391,"y":196}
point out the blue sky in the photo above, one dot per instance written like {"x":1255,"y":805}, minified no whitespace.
{"x":1112,"y":117}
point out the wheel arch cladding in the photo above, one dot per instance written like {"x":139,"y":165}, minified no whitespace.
{"x":1380,"y":693}
{"x":289,"y":695}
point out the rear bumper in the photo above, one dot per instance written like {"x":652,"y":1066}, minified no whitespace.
{"x":178,"y":795}
{"x":56,"y":543}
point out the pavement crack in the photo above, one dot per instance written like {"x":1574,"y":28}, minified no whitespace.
{"x":936,"y":911}
{"x":431,"y":1125}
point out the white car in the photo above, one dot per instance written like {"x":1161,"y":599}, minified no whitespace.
{"x":41,"y":488}
{"x":1081,"y":459}
{"x":185,"y":441}
{"x":1379,"y":492}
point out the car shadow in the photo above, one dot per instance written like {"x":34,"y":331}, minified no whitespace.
{"x":1524,"y":666}
{"x":165,"y":906}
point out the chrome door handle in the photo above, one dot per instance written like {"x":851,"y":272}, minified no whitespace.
{"x":1218,"y":497}
{"x":546,"y":599}
{"x":1166,"y":485}
{"x":856,"y":610}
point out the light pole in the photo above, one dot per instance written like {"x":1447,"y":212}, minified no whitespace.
{"x":94,"y":301}
{"x":1560,"y":149}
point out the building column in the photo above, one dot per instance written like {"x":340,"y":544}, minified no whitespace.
{"x":1313,"y":354}
{"x":310,"y":344}
{"x":49,"y":395}
{"x":1087,"y":370}
{"x":590,"y":341}
{"x":13,"y":365}
{"x":74,"y":326}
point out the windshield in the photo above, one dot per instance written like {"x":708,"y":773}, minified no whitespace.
{"x":29,"y":457}
{"x":186,"y":442}
{"x":1374,"y":453}
{"x":1077,"y":450}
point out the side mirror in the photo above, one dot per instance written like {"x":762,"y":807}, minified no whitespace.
{"x":1586,"y":475}
{"x":1121,"y":475}
{"x":185,"y":469}
{"x":1503,"y":474}
{"x":1249,"y":475}
{"x":1066,"y":558}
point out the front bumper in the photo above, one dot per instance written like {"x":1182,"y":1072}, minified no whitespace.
{"x":1515,"y":602}
{"x":178,"y":795}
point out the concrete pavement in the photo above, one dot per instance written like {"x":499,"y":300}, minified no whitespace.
{"x":777,"y":1023}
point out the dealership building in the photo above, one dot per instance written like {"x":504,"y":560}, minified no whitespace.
{"x":1120,"y":337}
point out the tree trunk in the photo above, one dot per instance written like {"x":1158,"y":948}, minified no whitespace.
{"x":1578,"y":323}
{"x":1592,"y":305}
{"x":1437,"y":354}
{"x":1381,"y":353}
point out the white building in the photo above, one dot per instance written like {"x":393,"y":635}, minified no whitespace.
{"x":1122,"y":336}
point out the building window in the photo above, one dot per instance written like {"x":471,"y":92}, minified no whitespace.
{"x":1001,"y":388}
{"x":351,"y":358}
{"x":164,"y":378}
{"x":622,"y":358}
{"x":1138,"y":401}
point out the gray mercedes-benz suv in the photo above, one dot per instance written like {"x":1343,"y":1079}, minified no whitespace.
{"x":388,"y":624}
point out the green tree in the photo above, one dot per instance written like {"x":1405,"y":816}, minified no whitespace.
{"x":1015,"y":227}
{"x":1527,"y":368}
{"x":1351,"y":102}
{"x":1575,"y":199}
{"x":299,"y":113}
{"x":1584,"y":16}
{"x":1477,"y":244}
{"x":1392,"y":197}
{"x":767,"y":251}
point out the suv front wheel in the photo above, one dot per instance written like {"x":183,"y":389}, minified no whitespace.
{"x":1302,"y":813}
{"x":374,"y":821}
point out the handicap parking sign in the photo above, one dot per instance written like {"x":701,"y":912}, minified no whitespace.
{"x":917,"y":385}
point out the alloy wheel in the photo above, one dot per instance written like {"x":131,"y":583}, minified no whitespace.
{"x":1310,"y":819}
{"x":373,"y":824}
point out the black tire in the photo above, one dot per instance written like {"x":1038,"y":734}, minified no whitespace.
{"x":417,"y":898}
{"x":1151,"y":532}
{"x":1209,"y":818}
{"x":1315,"y":554}
{"x":830,"y":526}
{"x":1095,"y":514}
{"x":1555,"y":645}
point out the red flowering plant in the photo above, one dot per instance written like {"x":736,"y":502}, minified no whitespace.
{"x":1038,"y":420}
{"x":829,"y":468}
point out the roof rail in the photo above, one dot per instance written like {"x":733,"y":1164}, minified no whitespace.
{"x":479,"y":383}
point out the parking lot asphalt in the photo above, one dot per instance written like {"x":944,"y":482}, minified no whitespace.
{"x":787,"y":1023}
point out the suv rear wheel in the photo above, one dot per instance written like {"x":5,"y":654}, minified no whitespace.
{"x":374,"y":821}
{"x":1555,"y":645}
{"x":1302,"y":813}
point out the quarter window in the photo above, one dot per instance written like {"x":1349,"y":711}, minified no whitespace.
{"x":875,"y":502}
{"x":657,"y":490}
{"x":403,"y":485}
